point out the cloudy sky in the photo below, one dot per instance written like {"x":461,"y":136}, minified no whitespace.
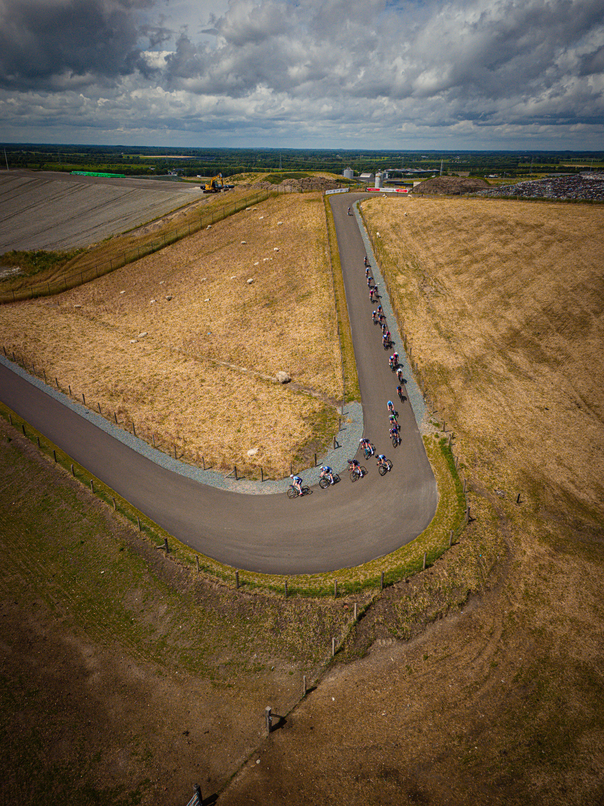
{"x":395,"y":74}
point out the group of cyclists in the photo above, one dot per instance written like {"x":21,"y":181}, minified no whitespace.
{"x":355,"y":468}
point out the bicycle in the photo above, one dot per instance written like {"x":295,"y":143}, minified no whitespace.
{"x":292,"y":491}
{"x":384,"y":467}
{"x":368,"y":451}
{"x":396,"y":440}
{"x":357,"y":472}
{"x":324,"y":482}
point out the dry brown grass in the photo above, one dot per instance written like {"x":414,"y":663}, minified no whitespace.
{"x":200,"y":377}
{"x":503,"y":303}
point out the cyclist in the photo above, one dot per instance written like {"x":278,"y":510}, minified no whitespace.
{"x":374,"y":317}
{"x":297,"y":483}
{"x":399,"y":374}
{"x":390,"y":406}
{"x":366,"y":261}
{"x":350,"y":211}
{"x":354,"y":467}
{"x":392,"y":418}
{"x":399,"y":391}
{"x":366,"y":446}
{"x":392,"y":361}
{"x":327,"y":473}
{"x":382,"y":461}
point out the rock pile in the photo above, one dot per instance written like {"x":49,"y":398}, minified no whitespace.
{"x":583,"y":187}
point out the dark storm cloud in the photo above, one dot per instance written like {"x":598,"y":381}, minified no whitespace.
{"x":41,"y":40}
{"x":384,"y":69}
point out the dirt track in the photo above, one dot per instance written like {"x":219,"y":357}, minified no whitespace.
{"x":61,"y":211}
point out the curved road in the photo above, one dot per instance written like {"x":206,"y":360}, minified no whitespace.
{"x":343,"y":526}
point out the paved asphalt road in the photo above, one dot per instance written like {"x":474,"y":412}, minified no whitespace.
{"x":343,"y":526}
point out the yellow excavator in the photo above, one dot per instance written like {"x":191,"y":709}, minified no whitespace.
{"x":215,"y":185}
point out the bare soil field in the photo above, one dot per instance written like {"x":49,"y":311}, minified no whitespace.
{"x":186,"y":343}
{"x":62,"y":212}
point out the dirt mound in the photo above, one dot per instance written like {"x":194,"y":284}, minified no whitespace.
{"x":307,"y":183}
{"x":451,"y":185}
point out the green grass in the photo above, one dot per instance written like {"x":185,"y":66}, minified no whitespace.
{"x":37,"y":261}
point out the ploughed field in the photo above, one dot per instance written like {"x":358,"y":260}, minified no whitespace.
{"x":63,"y":212}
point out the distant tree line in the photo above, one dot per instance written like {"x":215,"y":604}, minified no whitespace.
{"x":191,"y":162}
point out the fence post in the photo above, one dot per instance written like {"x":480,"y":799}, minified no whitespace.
{"x":333,"y":647}
{"x":424,"y":568}
{"x":197,"y":562}
{"x":382,"y":581}
{"x":269,"y":719}
{"x":166,"y":546}
{"x":236,"y":579}
{"x":92,"y":486}
{"x":335,"y":589}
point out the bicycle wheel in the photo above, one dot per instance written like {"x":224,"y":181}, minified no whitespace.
{"x":382,"y":470}
{"x":389,"y":465}
{"x":323,"y":483}
{"x":291,"y":492}
{"x":364,"y":470}
{"x":336,"y":478}
{"x":353,"y":475}
{"x":394,"y":442}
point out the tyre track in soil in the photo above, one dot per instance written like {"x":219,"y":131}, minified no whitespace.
{"x":344,"y":526}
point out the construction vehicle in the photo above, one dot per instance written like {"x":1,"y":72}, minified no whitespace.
{"x":215,"y":185}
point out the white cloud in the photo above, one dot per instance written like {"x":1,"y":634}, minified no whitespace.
{"x":316,"y":73}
